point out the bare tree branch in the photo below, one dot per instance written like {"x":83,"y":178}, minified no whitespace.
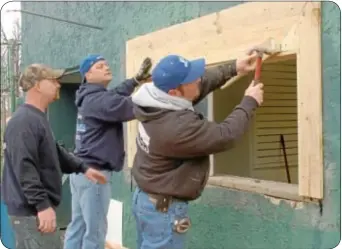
{"x":3,"y":35}
{"x":10,"y":68}
{"x":16,"y":31}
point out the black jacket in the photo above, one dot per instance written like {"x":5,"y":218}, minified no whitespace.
{"x":33,"y":163}
{"x":173,"y":149}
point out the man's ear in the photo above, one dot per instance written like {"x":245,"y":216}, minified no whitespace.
{"x":86,"y":75}
{"x":37,"y":86}
{"x":174,"y":92}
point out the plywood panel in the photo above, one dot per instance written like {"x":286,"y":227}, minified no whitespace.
{"x":276,"y":174}
{"x":280,"y":103}
{"x":278,"y":89}
{"x":277,"y":110}
{"x":274,"y":159}
{"x":275,"y":138}
{"x":267,"y":146}
{"x":276,"y":151}
{"x":279,"y":96}
{"x":235,"y":161}
{"x":276,"y":117}
{"x":276,"y":131}
{"x":280,"y":67}
{"x":132,"y":126}
{"x":278,"y":74}
{"x":274,"y":81}
{"x":271,"y":165}
{"x":275,"y":124}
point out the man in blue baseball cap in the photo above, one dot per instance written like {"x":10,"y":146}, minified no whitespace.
{"x":171,"y":166}
{"x":99,"y":143}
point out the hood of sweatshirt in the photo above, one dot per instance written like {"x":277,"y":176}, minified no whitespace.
{"x":86,"y":89}
{"x":150,"y":102}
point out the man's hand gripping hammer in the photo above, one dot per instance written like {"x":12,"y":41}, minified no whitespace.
{"x":268,"y":48}
{"x":260,"y":50}
{"x":257,"y":73}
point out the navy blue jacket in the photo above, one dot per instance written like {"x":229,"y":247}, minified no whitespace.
{"x":99,"y":129}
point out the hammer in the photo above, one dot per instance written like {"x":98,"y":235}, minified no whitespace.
{"x":268,"y":48}
{"x":260,"y":50}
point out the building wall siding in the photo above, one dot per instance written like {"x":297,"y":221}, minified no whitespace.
{"x":221,"y":218}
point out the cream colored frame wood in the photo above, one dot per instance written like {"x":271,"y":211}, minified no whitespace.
{"x":227,"y":35}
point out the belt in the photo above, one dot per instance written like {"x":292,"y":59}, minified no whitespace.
{"x":163,"y":202}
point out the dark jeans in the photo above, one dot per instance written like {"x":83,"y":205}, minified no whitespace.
{"x":155,"y":230}
{"x":27,"y":235}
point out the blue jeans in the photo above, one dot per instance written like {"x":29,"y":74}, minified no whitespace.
{"x":90,"y":203}
{"x":155,"y":230}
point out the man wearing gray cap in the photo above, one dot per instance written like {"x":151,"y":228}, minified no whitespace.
{"x":34,"y":163}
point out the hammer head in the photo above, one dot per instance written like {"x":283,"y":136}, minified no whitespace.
{"x":269,"y":47}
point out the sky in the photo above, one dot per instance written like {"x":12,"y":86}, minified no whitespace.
{"x":8,"y":18}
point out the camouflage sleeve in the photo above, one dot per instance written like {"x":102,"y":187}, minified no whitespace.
{"x":216,"y":77}
{"x":199,"y":137}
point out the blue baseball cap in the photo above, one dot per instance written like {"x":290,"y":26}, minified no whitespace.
{"x":87,"y":63}
{"x":174,"y":70}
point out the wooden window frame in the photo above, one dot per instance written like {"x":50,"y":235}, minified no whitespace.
{"x":296,"y":26}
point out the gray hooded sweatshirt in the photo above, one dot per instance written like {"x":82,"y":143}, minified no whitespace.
{"x":174,"y":142}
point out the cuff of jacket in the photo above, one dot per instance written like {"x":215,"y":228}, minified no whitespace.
{"x":135,"y":82}
{"x":249,"y":105}
{"x":45,"y":204}
{"x":229,"y":69}
{"x":83,"y":168}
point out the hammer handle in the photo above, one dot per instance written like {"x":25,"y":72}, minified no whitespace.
{"x":257,"y":70}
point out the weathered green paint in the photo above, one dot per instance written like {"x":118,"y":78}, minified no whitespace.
{"x":221,"y":218}
{"x":62,"y":116}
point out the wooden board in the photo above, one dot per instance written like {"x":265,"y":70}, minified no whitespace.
{"x":310,"y":131}
{"x":220,"y":36}
{"x":219,"y":39}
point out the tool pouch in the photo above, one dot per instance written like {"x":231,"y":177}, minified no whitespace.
{"x":163,"y":203}
{"x":182,"y":225}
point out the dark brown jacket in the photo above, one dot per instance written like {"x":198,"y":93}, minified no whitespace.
{"x":173,"y":149}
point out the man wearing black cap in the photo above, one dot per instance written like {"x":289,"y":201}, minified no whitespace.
{"x":171,"y":166}
{"x":99,"y":142}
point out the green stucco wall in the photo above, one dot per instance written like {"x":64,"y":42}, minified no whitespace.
{"x":221,"y":218}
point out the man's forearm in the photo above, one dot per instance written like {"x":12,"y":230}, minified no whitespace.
{"x":32,"y":187}
{"x":69,"y":163}
{"x":215,"y":77}
{"x":201,"y":137}
{"x":126,"y":88}
{"x":35,"y":194}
